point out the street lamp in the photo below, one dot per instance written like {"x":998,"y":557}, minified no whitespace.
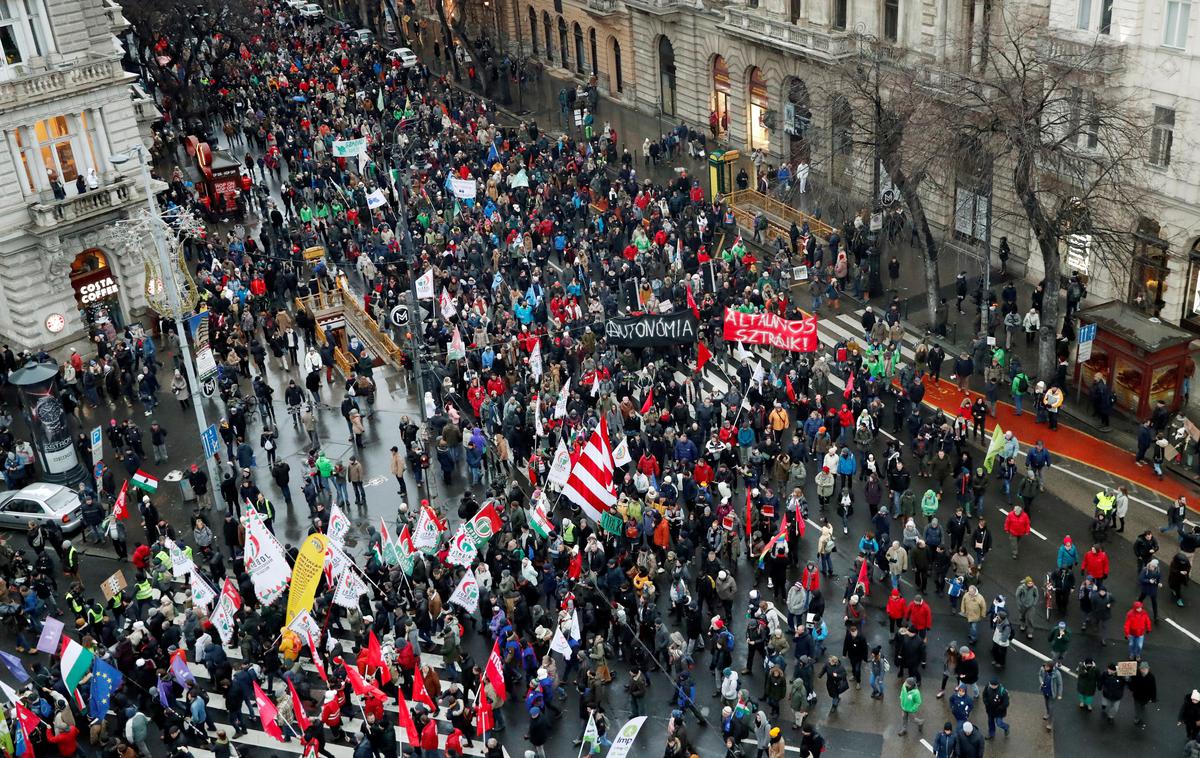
{"x":170,"y":287}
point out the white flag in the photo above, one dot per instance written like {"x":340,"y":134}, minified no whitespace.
{"x":466,"y":594}
{"x":202,"y":592}
{"x":623,"y":742}
{"x":456,"y":351}
{"x":336,"y":561}
{"x":560,"y":408}
{"x":350,"y":588}
{"x":449,"y":309}
{"x":560,"y":645}
{"x":575,"y":634}
{"x":339,"y":525}
{"x":463,"y":189}
{"x":305,"y":625}
{"x":376,"y":199}
{"x":590,"y":733}
{"x":463,"y":550}
{"x":560,"y":468}
{"x":537,"y":417}
{"x":425,"y":286}
{"x":265,"y":561}
{"x":621,"y":453}
{"x":181,"y":562}
{"x":427,"y":532}
{"x":535,"y":361}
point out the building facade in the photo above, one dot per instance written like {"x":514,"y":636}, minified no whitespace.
{"x":66,"y":107}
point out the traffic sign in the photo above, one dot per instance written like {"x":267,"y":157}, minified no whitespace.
{"x":399,"y":316}
{"x":98,"y":470}
{"x":1087,"y":332}
{"x":208,"y":387}
{"x":211,"y":440}
{"x":1087,"y":336}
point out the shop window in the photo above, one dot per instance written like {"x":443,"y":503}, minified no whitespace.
{"x":1151,"y":267}
{"x":1191,"y":303}
{"x":60,"y":147}
{"x":718,"y":119}
{"x":760,"y":135}
{"x":23,"y":33}
{"x":97,"y":294}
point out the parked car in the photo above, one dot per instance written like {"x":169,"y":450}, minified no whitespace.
{"x":41,"y":502}
{"x":312,"y":12}
{"x":407,"y":58}
{"x":295,"y":4}
{"x":365,"y":36}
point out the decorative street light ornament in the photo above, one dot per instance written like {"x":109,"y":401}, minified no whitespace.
{"x":135,"y":236}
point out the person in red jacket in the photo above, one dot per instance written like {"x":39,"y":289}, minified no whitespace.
{"x":896,"y":606}
{"x":1137,"y":626}
{"x":454,"y":747}
{"x":65,"y":739}
{"x":1095,"y":563}
{"x":919,"y":616}
{"x":702,"y":473}
{"x":648,"y":465}
{"x":331,"y":715}
{"x":810,"y":578}
{"x":1016,"y":524}
{"x":429,"y":737}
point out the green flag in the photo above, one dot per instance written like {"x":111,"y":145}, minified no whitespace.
{"x":994,"y":448}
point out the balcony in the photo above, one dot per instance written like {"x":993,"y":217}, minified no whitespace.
{"x":106,"y":198}
{"x":816,"y":44}
{"x":663,"y":8}
{"x":35,"y":87}
{"x":1095,"y":55}
{"x":144,"y":107}
{"x":602,"y":8}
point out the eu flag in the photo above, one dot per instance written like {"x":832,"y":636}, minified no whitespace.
{"x":105,"y":679}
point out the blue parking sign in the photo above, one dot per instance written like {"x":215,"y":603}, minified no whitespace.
{"x":211,"y":440}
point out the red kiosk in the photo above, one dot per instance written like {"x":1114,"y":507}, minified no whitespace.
{"x":1142,"y":358}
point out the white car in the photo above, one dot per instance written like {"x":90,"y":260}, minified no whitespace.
{"x":41,"y":502}
{"x":407,"y":58}
{"x":312,"y":12}
{"x":365,"y":36}
{"x":295,"y":4}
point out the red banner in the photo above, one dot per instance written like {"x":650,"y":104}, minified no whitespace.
{"x":769,"y":329}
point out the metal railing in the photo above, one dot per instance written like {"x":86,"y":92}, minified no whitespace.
{"x":49,"y":214}
{"x":753,"y":199}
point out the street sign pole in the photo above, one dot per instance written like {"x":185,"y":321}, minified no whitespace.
{"x":1083,"y":353}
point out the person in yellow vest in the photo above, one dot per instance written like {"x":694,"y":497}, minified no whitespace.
{"x":1105,"y":501}
{"x":143,"y":593}
{"x":70,"y":558}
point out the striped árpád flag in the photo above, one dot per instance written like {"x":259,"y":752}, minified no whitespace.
{"x":590,"y":483}
{"x":144,"y":481}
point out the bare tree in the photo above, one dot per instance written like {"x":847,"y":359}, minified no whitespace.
{"x":181,"y":42}
{"x":1049,"y":108}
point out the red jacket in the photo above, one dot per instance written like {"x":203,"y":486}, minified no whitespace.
{"x":810,"y":580}
{"x":702,"y":473}
{"x":66,"y":742}
{"x":919,"y":615}
{"x":429,"y":735}
{"x":331,"y":713}
{"x":1095,"y":563}
{"x":454,"y":743}
{"x":648,"y":465}
{"x":1017,"y":525}
{"x":896,"y":605}
{"x":1137,"y":621}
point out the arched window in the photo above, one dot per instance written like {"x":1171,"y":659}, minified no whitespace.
{"x":756,"y":84}
{"x":618,"y":74}
{"x":592,"y":46}
{"x":666,"y":75}
{"x":718,"y":118}
{"x":579,"y":59}
{"x":533,"y":30}
{"x":563,"y":45}
{"x":797,"y":118}
{"x":549,"y":36}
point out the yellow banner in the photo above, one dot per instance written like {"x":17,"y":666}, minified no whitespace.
{"x":306,"y":575}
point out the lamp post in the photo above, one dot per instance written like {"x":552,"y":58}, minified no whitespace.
{"x":171,"y":289}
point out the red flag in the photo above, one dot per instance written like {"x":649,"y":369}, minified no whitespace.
{"x":849,"y":386}
{"x":649,"y":401}
{"x":360,"y":685}
{"x":691,"y":301}
{"x":800,"y":525}
{"x":494,"y":671}
{"x":316,"y":656}
{"x":791,"y":391}
{"x":406,"y":721}
{"x":485,"y":720}
{"x":703,"y":257}
{"x":375,"y":657}
{"x":29,"y":722}
{"x":749,"y":511}
{"x":267,"y":713}
{"x":780,"y":536}
{"x":703,"y":354}
{"x":864,"y":578}
{"x":121,"y":508}
{"x":302,"y":719}
{"x":419,"y":693}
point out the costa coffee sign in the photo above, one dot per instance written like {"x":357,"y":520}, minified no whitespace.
{"x":95,"y":286}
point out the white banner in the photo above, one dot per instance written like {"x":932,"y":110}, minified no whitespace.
{"x":203,"y":594}
{"x":336,"y":561}
{"x":425,"y":286}
{"x":560,"y":468}
{"x":339,"y":525}
{"x":466,"y":594}
{"x":560,"y":645}
{"x":306,"y":626}
{"x":427,"y":532}
{"x":376,"y":199}
{"x":265,"y":561}
{"x":623,"y":742}
{"x":535,"y":360}
{"x":560,"y":408}
{"x":463,"y":550}
{"x":463,"y":189}
{"x":448,"y":306}
{"x":181,"y":563}
{"x":621,"y":454}
{"x":349,"y":589}
{"x":349,"y":148}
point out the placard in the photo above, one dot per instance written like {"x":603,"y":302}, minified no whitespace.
{"x":114,"y":584}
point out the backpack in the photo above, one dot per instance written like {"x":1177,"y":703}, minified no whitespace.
{"x":1022,"y":383}
{"x":727,"y":640}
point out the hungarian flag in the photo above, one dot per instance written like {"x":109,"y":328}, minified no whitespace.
{"x":749,"y":511}
{"x":691,"y":301}
{"x":864,"y":577}
{"x":75,"y":660}
{"x":494,"y":671}
{"x":419,"y":693}
{"x":121,"y":506}
{"x":267,"y":712}
{"x":406,"y":720}
{"x":649,"y":401}
{"x":145,"y":481}
{"x":703,"y":355}
{"x":791,"y":391}
{"x":485,"y":720}
{"x":375,"y":658}
{"x":387,"y":547}
{"x":538,"y":521}
{"x":302,"y":719}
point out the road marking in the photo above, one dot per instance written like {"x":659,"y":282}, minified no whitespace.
{"x":1043,"y":658}
{"x":747,"y":741}
{"x":925,"y":742}
{"x":1031,"y":529}
{"x":1193,"y":637}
